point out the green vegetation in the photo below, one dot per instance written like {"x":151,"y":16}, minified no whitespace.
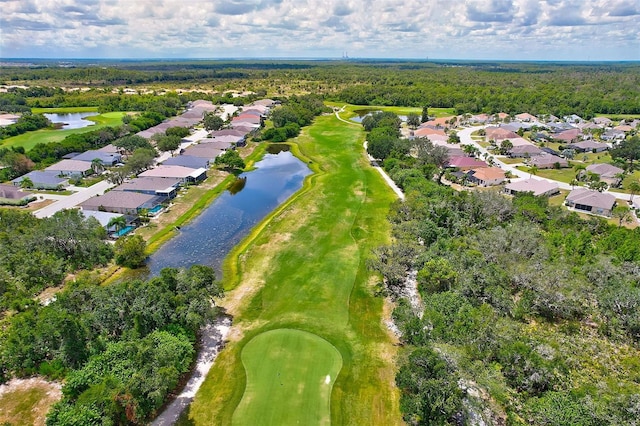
{"x":529,"y":312}
{"x":304,"y":269}
{"x":281,"y":363}
{"x":45,"y":136}
{"x":121,"y":348}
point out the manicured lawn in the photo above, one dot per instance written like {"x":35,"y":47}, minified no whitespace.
{"x":304,"y":268}
{"x":290,"y":374}
{"x":30,"y":139}
{"x":437,"y":112}
{"x":561,"y":175}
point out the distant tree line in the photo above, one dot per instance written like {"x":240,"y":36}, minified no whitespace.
{"x":538,"y":88}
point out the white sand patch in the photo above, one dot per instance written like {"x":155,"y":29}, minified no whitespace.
{"x":327,"y":379}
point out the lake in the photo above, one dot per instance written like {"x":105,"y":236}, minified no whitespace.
{"x":362,"y":113}
{"x":74,"y":120}
{"x":208,"y":239}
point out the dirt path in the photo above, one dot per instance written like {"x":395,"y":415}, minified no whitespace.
{"x":213,"y":338}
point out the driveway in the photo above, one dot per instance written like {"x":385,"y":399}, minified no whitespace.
{"x":73,"y":200}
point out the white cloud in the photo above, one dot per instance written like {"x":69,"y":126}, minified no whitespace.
{"x":477,"y":29}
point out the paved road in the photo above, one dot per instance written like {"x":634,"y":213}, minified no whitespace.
{"x":73,"y":200}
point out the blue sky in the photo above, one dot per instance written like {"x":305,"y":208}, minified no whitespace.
{"x":437,"y":29}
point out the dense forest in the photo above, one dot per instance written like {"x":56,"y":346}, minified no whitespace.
{"x":120,"y":348}
{"x":524,"y":313}
{"x":470,"y":87}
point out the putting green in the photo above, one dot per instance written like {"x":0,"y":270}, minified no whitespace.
{"x":290,"y":374}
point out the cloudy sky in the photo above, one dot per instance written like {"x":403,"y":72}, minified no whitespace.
{"x":435,"y":29}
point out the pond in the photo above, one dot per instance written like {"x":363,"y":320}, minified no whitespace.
{"x":74,"y":120}
{"x":207,"y":239}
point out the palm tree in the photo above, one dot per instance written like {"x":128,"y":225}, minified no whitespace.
{"x":579,"y":168}
{"x":634,"y":188}
{"x":26,"y":182}
{"x":118,"y":222}
{"x":574,"y":183}
{"x":96,"y":166}
{"x":533,"y":170}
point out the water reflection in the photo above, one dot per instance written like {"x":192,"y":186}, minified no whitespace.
{"x":74,"y":120}
{"x":207,"y":239}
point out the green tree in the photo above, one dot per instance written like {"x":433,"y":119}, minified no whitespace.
{"x":623,"y":214}
{"x":437,"y":275}
{"x":118,"y":222}
{"x":140,"y":160}
{"x":634,"y":188}
{"x":425,"y":114}
{"x":629,"y":150}
{"x":505,"y":147}
{"x":212,"y":121}
{"x":178,"y":131}
{"x":130,"y":251}
{"x":26,"y":182}
{"x":168,"y":143}
{"x":230,"y":159}
{"x":96,"y":166}
{"x":413,"y":120}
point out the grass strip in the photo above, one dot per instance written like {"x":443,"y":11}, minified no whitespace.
{"x":304,"y":268}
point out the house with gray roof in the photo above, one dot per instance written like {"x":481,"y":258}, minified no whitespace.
{"x":529,"y":150}
{"x":537,"y":187}
{"x":71,"y":168}
{"x":188,"y":161}
{"x":10,"y":194}
{"x":162,"y":187}
{"x":548,"y":161}
{"x":103,"y":218}
{"x":594,"y":202}
{"x":43,"y":180}
{"x":588,"y":146}
{"x":203,"y":150}
{"x":185,"y":174}
{"x":221,"y":142}
{"x":123,"y":202}
{"x":607,"y":172}
{"x":108,"y":159}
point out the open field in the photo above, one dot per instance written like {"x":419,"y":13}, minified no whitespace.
{"x":437,"y":112}
{"x":63,"y":110}
{"x":304,"y":268}
{"x":26,"y":401}
{"x":30,"y":139}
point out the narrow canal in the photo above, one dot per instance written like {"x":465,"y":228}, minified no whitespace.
{"x":207,"y":239}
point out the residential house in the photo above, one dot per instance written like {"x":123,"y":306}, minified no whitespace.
{"x":537,"y":187}
{"x":10,"y":194}
{"x":590,"y":201}
{"x":569,"y":136}
{"x":123,"y":202}
{"x":107,"y":159}
{"x":465,"y":163}
{"x":602,"y":121}
{"x":499,"y":134}
{"x":229,"y":132}
{"x":608,"y":173}
{"x":185,"y":174}
{"x":528,"y":150}
{"x":221,"y":142}
{"x":613,"y":135}
{"x":427,"y":131}
{"x":548,"y":161}
{"x":71,"y":168}
{"x":162,"y":187}
{"x":204,"y":150}
{"x":43,"y":180}
{"x":486,"y":176}
{"x":525,"y":116}
{"x":588,"y":146}
{"x":573,"y":119}
{"x":188,"y":161}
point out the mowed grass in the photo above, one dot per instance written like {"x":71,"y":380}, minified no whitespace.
{"x":294,"y":367}
{"x":437,"y":112}
{"x":30,"y":139}
{"x":305,"y":269}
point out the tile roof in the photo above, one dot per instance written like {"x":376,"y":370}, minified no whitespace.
{"x":591,"y":198}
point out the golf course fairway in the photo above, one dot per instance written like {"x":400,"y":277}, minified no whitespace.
{"x":293,"y":366}
{"x":304,"y":303}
